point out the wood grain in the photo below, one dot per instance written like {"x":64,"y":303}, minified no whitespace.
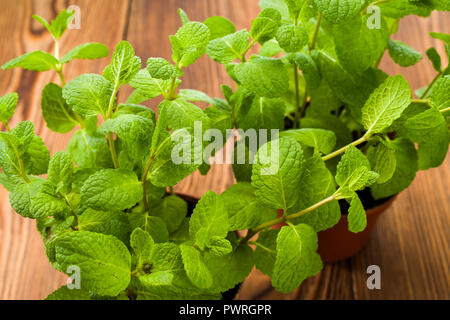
{"x":410,"y":243}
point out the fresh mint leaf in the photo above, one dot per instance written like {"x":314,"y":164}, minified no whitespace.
{"x":402,"y":54}
{"x":210,"y":218}
{"x":296,"y":257}
{"x":440,"y":97}
{"x":278,"y":167}
{"x":36,"y":157}
{"x":58,"y":116}
{"x":88,"y":95}
{"x":147,"y":87}
{"x":104,"y":261}
{"x":172,"y":210}
{"x":266,"y":251}
{"x":142,"y":244}
{"x":266,"y":77}
{"x":357,"y":220}
{"x":87,"y":51}
{"x":195,"y":267}
{"x":401,"y":8}
{"x":182,"y":114}
{"x":339,"y":11}
{"x":405,"y":171}
{"x":8,"y":105}
{"x":112,"y":190}
{"x":61,"y":171}
{"x":270,"y":49}
{"x":90,"y":150}
{"x":357,"y":45}
{"x":382,"y":160}
{"x":160,"y":68}
{"x":264,"y":113}
{"x":189,"y":43}
{"x":244,"y":212}
{"x":183,"y":16}
{"x":219,"y":27}
{"x":21,"y":197}
{"x":124,"y":65}
{"x":386,"y":104}
{"x":322,"y":141}
{"x":58,"y":26}
{"x":292,"y":38}
{"x":309,"y":70}
{"x":435,"y":59}
{"x":155,"y":226}
{"x":441,"y":36}
{"x":219,"y":246}
{"x":263,"y":29}
{"x":33,"y":61}
{"x":228,"y":48}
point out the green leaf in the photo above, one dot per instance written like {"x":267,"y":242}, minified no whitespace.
{"x":219,"y":246}
{"x":357,"y":220}
{"x":189,"y":43}
{"x":64,"y":293}
{"x":382,"y":160}
{"x":400,"y":8}
{"x":280,"y":6}
{"x":266,"y":77}
{"x":195,"y":267}
{"x":296,"y":257}
{"x":210,"y":218}
{"x":266,"y":251}
{"x":172,"y":210}
{"x":10,"y":155}
{"x":8,"y":105}
{"x":295,"y":6}
{"x":114,"y":223}
{"x":88,"y":95}
{"x":435,"y":59}
{"x":309,"y":70}
{"x":219,"y":27}
{"x":263,"y":29}
{"x":402,"y":54}
{"x":278,"y":167}
{"x":441,"y":5}
{"x":317,"y":183}
{"x":6,"y":182}
{"x":429,"y":130}
{"x":104,"y":261}
{"x":183,"y":16}
{"x":264,"y":113}
{"x":147,"y":87}
{"x":160,"y":68}
{"x":34,"y":61}
{"x":20,"y":198}
{"x":87,"y":51}
{"x":112,"y":190}
{"x":440,"y":97}
{"x":322,"y":141}
{"x":124,"y":65}
{"x":357,"y":45}
{"x":46,"y":203}
{"x":90,"y":150}
{"x":386,"y":104}
{"x":228,"y":48}
{"x":58,"y":26}
{"x":353,"y":171}
{"x":292,"y":38}
{"x":244,"y":212}
{"x":142,"y":244}
{"x":237,"y":264}
{"x":58,"y":116}
{"x":182,"y":114}
{"x":182,"y":146}
{"x":134,"y":133}
{"x":338,"y":11}
{"x":36,"y":157}
{"x":61,"y":171}
{"x":441,"y":36}
{"x":155,"y":226}
{"x":270,"y":49}
{"x":405,"y":171}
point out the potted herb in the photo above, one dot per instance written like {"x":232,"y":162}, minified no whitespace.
{"x":315,"y":77}
{"x":106,"y":208}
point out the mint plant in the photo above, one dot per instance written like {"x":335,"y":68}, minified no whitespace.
{"x":106,"y":206}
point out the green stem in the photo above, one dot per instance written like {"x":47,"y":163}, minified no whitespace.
{"x":343,"y":149}
{"x":316,"y":32}
{"x":171,"y":95}
{"x":61,"y":76}
{"x":444,"y":110}
{"x":425,"y":101}
{"x":297,"y":99}
{"x":144,"y":181}
{"x":431,"y":85}
{"x":243,"y":58}
{"x":269,"y":224}
{"x":112,"y":150}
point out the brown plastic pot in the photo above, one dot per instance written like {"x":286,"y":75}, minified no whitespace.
{"x":338,"y":243}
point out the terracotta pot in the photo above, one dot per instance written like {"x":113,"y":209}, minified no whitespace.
{"x":338,"y":243}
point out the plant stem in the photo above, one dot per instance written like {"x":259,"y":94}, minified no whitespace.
{"x":343,"y":149}
{"x":61,"y":76}
{"x":297,"y":99}
{"x":269,"y":224}
{"x":444,"y":110}
{"x":420,"y":101}
{"x":112,"y":150}
{"x":144,"y":181}
{"x":424,"y":94}
{"x":316,"y":32}
{"x":243,"y":58}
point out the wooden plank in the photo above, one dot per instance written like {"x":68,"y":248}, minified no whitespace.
{"x":24,"y":270}
{"x":410,"y":244}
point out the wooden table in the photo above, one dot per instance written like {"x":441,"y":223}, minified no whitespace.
{"x":410,"y":244}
